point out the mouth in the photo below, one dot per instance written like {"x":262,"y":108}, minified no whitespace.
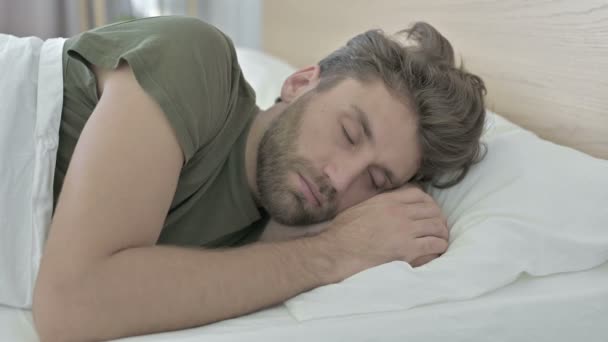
{"x":310,"y":191}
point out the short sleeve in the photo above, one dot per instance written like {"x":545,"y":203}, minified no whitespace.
{"x":186,"y":65}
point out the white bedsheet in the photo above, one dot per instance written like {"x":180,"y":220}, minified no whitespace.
{"x":562,"y":307}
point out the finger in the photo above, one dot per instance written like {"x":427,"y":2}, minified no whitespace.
{"x":409,"y":193}
{"x":431,"y":245}
{"x":424,"y":260}
{"x":431,"y":227}
{"x":422,"y":211}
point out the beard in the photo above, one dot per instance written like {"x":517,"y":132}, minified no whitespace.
{"x":277,"y":159}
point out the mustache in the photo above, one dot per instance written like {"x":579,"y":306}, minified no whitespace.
{"x":325,"y":187}
{"x":322,"y":181}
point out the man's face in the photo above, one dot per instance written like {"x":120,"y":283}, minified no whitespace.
{"x":331,"y":150}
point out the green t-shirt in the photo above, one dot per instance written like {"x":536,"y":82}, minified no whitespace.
{"x":190,"y":68}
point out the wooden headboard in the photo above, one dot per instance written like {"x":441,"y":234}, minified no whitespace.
{"x":545,"y":63}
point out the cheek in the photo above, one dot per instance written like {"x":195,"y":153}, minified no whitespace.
{"x":315,"y":142}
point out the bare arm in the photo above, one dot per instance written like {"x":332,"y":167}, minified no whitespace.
{"x":274,"y":231}
{"x":151,"y":289}
{"x":102,"y":277}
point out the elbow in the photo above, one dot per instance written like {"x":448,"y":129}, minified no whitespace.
{"x":44,"y":311}
{"x":54,"y":312}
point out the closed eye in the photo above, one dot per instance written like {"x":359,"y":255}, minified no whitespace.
{"x":373,"y":182}
{"x":380,"y":179}
{"x":347,"y":136}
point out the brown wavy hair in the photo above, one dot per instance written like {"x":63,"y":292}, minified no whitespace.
{"x":417,"y":65}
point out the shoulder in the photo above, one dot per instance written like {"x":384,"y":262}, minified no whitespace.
{"x":165,"y":34}
{"x":182,"y":44}
{"x":180,"y":30}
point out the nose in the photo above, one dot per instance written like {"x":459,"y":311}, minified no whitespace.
{"x":344,"y":172}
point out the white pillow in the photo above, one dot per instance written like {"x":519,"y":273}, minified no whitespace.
{"x":264,"y":73}
{"x":530,"y":206}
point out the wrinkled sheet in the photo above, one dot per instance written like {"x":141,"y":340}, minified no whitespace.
{"x":557,"y":308}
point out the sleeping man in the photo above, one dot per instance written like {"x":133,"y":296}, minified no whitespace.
{"x":167,"y":174}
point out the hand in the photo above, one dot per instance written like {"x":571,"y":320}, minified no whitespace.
{"x":405,"y":224}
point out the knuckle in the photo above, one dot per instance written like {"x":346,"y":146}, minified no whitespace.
{"x":435,"y":246}
{"x":424,"y":197}
{"x":440,"y":225}
{"x":428,"y":246}
{"x":435,"y":211}
{"x":427,"y":197}
{"x":443,"y":245}
{"x":412,"y":189}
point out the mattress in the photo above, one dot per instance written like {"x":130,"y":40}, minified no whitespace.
{"x":560,"y":307}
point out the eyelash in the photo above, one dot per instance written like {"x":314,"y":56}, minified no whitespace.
{"x":348,"y":138}
{"x":371,"y":179}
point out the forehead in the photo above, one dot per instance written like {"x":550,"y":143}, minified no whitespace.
{"x":391,"y":122}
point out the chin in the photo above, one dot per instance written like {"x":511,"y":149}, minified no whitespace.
{"x":292,"y":213}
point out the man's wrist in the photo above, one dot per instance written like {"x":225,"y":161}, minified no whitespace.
{"x":316,"y":257}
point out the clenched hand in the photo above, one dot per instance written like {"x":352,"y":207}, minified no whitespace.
{"x":405,"y":224}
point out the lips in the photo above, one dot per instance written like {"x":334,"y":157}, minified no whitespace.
{"x":310,"y":191}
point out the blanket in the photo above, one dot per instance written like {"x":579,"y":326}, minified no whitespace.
{"x":31,"y":97}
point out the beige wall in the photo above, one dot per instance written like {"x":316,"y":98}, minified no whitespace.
{"x":545,"y":62}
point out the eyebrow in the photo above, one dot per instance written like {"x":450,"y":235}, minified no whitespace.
{"x":364,"y":121}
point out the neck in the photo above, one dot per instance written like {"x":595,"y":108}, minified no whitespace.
{"x":260,"y":124}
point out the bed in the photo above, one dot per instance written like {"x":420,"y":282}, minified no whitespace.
{"x":565,"y":307}
{"x":546,"y":70}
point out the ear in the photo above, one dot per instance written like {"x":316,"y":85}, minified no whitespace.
{"x":300,"y":82}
